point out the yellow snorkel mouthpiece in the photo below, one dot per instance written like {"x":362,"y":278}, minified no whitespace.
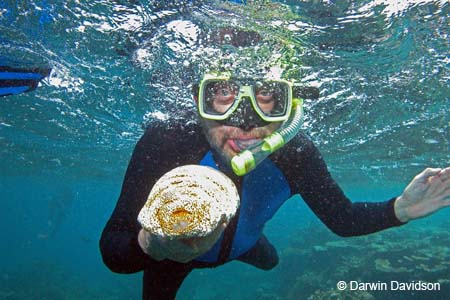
{"x":248,"y":159}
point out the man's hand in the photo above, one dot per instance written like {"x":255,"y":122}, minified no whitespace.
{"x":428,"y":192}
{"x":180,"y":250}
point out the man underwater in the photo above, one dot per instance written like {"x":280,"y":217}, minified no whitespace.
{"x":237,"y":111}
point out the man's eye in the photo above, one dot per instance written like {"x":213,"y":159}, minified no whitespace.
{"x":265,"y":93}
{"x":225,"y":92}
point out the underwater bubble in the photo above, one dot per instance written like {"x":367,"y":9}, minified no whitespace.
{"x":431,"y":141}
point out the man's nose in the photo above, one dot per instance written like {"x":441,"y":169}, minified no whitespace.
{"x":245,"y":117}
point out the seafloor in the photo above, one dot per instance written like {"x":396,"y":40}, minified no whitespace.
{"x":410,"y":253}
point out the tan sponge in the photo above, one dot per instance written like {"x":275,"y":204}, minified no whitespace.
{"x":189,"y":201}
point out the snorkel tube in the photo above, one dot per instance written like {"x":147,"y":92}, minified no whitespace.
{"x":249,"y":158}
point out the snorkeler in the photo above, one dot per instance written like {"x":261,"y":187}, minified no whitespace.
{"x":242,"y":119}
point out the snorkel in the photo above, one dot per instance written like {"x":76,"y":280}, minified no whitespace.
{"x":249,"y":158}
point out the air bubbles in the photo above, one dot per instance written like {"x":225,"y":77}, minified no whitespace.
{"x":126,"y":134}
{"x":431,"y":141}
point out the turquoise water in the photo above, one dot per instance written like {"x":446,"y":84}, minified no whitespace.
{"x":383,"y":72}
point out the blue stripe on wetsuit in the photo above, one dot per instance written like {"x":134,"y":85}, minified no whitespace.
{"x":264,"y":190}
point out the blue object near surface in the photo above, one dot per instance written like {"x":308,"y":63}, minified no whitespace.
{"x":14,"y":81}
{"x":238,"y":1}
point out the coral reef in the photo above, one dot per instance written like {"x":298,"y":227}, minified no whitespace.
{"x":317,"y":260}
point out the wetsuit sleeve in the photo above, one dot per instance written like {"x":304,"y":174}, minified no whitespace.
{"x":158,"y":151}
{"x":308,"y":175}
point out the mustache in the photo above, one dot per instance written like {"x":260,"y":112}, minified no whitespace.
{"x":255,"y":133}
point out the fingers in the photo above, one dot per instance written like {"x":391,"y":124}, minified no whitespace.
{"x":152,"y":245}
{"x":441,"y":178}
{"x":159,"y":240}
{"x":440,"y":184}
{"x":427,"y":173}
{"x":143,"y":240}
{"x":444,"y":174}
{"x":224,"y":225}
{"x":191,"y":243}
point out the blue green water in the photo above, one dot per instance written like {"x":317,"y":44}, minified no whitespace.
{"x":383,"y":71}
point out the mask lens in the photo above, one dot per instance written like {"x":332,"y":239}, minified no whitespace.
{"x":219,"y":96}
{"x":272,"y":98}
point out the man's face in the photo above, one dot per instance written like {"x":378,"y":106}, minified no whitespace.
{"x":228,"y":141}
{"x":230,"y":138}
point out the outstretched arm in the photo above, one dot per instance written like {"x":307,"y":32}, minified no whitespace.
{"x":428,"y":192}
{"x":308,"y":175}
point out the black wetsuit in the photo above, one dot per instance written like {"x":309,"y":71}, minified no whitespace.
{"x":164,"y":147}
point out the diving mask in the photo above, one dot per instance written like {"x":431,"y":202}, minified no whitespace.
{"x":219,"y":96}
